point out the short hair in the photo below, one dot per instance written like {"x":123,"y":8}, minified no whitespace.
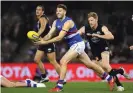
{"x":62,"y":6}
{"x":41,"y":7}
{"x":93,"y":14}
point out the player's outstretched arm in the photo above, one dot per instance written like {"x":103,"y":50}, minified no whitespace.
{"x":51,"y":32}
{"x":81,"y":31}
{"x":6,"y":83}
{"x":67,"y":25}
{"x":43,"y":23}
{"x":107,"y":34}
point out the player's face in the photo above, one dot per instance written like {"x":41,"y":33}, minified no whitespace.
{"x":60,"y":13}
{"x":92,"y":21}
{"x":39,"y":11}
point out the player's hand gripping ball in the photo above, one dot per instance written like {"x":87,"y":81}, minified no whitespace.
{"x":32,"y":35}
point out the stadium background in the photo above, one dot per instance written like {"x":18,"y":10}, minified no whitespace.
{"x":17,"y":52}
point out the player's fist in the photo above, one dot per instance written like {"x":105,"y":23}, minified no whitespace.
{"x":88,"y":34}
{"x":131,"y":47}
{"x":95,"y":35}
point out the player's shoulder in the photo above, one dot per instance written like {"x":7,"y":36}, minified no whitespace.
{"x":87,"y":26}
{"x":102,"y":26}
{"x":68,"y":18}
{"x":55,"y":21}
{"x":44,"y":17}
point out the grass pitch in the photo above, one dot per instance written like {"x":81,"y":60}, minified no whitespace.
{"x":73,"y":87}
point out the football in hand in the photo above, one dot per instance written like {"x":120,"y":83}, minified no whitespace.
{"x":32,"y":35}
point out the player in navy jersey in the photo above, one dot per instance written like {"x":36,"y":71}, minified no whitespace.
{"x":97,"y":35}
{"x":43,"y":27}
{"x":67,"y":30}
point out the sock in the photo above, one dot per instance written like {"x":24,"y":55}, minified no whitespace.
{"x":60,"y":84}
{"x":106,"y":76}
{"x":112,"y":72}
{"x":28,"y":82}
{"x":34,"y":85}
{"x":44,"y":75}
{"x":119,"y":71}
{"x":117,"y":81}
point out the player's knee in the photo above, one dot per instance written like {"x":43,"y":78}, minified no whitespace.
{"x":63,"y":62}
{"x":105,"y":67}
{"x":37,"y":60}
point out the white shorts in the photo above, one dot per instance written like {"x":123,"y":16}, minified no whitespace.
{"x":78,"y":47}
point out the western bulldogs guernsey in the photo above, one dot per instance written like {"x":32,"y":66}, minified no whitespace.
{"x":72,"y":36}
{"x":47,"y":29}
{"x":98,"y":45}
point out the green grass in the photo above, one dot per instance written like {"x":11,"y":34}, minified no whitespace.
{"x":73,"y":87}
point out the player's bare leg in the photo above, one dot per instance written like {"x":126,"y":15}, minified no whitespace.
{"x":104,"y":63}
{"x":52,"y":59}
{"x":38,"y":56}
{"x":108,"y":68}
{"x":86,"y":60}
{"x":63,"y":62}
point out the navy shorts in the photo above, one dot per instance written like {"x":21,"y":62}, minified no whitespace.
{"x":49,"y":48}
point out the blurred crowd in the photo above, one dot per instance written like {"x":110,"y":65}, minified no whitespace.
{"x":17,"y":18}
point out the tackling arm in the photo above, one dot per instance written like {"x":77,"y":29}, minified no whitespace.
{"x":81,"y":31}
{"x":67,"y":25}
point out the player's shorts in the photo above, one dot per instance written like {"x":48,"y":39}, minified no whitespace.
{"x":97,"y":53}
{"x":49,"y":48}
{"x":78,"y":47}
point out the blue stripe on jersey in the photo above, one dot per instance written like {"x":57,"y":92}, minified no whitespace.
{"x":71,"y":36}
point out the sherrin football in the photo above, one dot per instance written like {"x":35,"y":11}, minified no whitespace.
{"x":32,"y":35}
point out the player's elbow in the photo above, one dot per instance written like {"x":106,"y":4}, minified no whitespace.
{"x":59,"y":38}
{"x":79,"y":32}
{"x":111,"y":37}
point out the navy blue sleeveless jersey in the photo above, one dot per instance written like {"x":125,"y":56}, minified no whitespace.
{"x":47,"y":29}
{"x":98,"y":45}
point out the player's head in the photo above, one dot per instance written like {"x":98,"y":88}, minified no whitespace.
{"x":39,"y":10}
{"x":61,"y":11}
{"x":92,"y":19}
